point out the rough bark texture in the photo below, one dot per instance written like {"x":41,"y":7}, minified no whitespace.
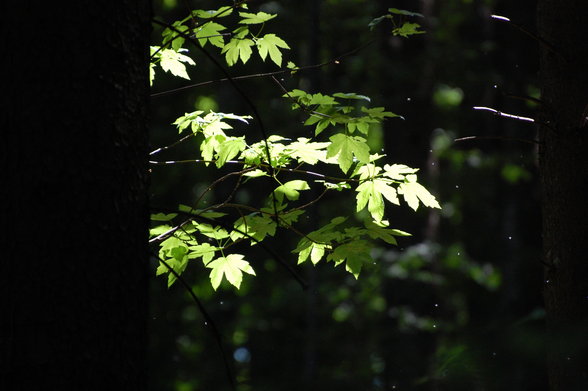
{"x":73,"y":286}
{"x":564,"y":171}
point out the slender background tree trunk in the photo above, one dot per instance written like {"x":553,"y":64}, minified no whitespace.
{"x":564,"y":171}
{"x":73,"y":285}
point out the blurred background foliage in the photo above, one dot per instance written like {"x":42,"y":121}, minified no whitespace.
{"x":457,"y":306}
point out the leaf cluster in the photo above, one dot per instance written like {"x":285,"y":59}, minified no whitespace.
{"x":336,"y":158}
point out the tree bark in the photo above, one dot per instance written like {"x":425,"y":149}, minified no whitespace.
{"x":73,"y":286}
{"x":564,"y":174}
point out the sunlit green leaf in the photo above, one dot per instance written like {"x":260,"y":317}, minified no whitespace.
{"x":260,"y":17}
{"x":413,"y":192}
{"x":210,"y":32}
{"x":231,"y":267}
{"x":172,"y":61}
{"x":346,"y":147}
{"x":236,"y":49}
{"x":270,"y":43}
{"x":163,"y":216}
{"x":355,"y":254}
{"x":290,"y":190}
{"x":228,"y":149}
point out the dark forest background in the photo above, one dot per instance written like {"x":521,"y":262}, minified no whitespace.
{"x":458,"y":305}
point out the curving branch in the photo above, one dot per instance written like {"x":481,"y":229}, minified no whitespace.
{"x":208,"y":319}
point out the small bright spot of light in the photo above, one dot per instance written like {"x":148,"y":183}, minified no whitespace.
{"x":242,"y":355}
{"x":510,"y":238}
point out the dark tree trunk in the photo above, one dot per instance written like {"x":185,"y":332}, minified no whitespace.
{"x":73,"y":285}
{"x":564,"y":172}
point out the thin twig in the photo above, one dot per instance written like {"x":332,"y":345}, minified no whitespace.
{"x":506,"y":115}
{"x":304,"y":107}
{"x":335,"y":60}
{"x":171,"y":145}
{"x":208,"y":319}
{"x":535,"y":37}
{"x":219,"y":180}
{"x":522,"y":140}
{"x":264,"y":165}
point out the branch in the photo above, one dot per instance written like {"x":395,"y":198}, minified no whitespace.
{"x":506,"y":115}
{"x":335,"y":60}
{"x":171,"y":145}
{"x":208,"y":319}
{"x":541,"y":41}
{"x":243,"y":95}
{"x":522,"y":140}
{"x":270,"y":251}
{"x":264,"y":165}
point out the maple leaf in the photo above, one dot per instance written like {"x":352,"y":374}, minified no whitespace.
{"x":231,"y":267}
{"x":270,"y":43}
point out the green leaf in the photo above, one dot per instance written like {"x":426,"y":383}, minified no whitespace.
{"x":386,"y":234}
{"x":413,"y":192}
{"x":160,"y":229}
{"x":258,"y":227}
{"x":163,"y":216}
{"x":351,"y":95}
{"x":307,"y":152}
{"x":204,"y":250}
{"x":172,"y":61}
{"x":404,"y":12}
{"x":174,"y":251}
{"x":151,"y":73}
{"x":177,"y":40}
{"x":290,"y":190}
{"x":346,"y":147}
{"x":313,"y":250}
{"x":238,"y":48}
{"x":260,"y":17}
{"x":255,"y":173}
{"x":219,"y":13}
{"x":372,"y":193}
{"x":318,"y":241}
{"x":355,"y":254}
{"x":231,"y":267}
{"x":398,"y":171}
{"x":323,"y":100}
{"x":270,"y":44}
{"x":228,"y":149}
{"x":408,"y":29}
{"x":211,"y":32}
{"x":378,"y":20}
{"x":208,"y":230}
{"x":378,"y":113}
{"x":291,"y":216}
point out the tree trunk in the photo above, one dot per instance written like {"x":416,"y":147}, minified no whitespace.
{"x":73,"y":287}
{"x":564,"y":172}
